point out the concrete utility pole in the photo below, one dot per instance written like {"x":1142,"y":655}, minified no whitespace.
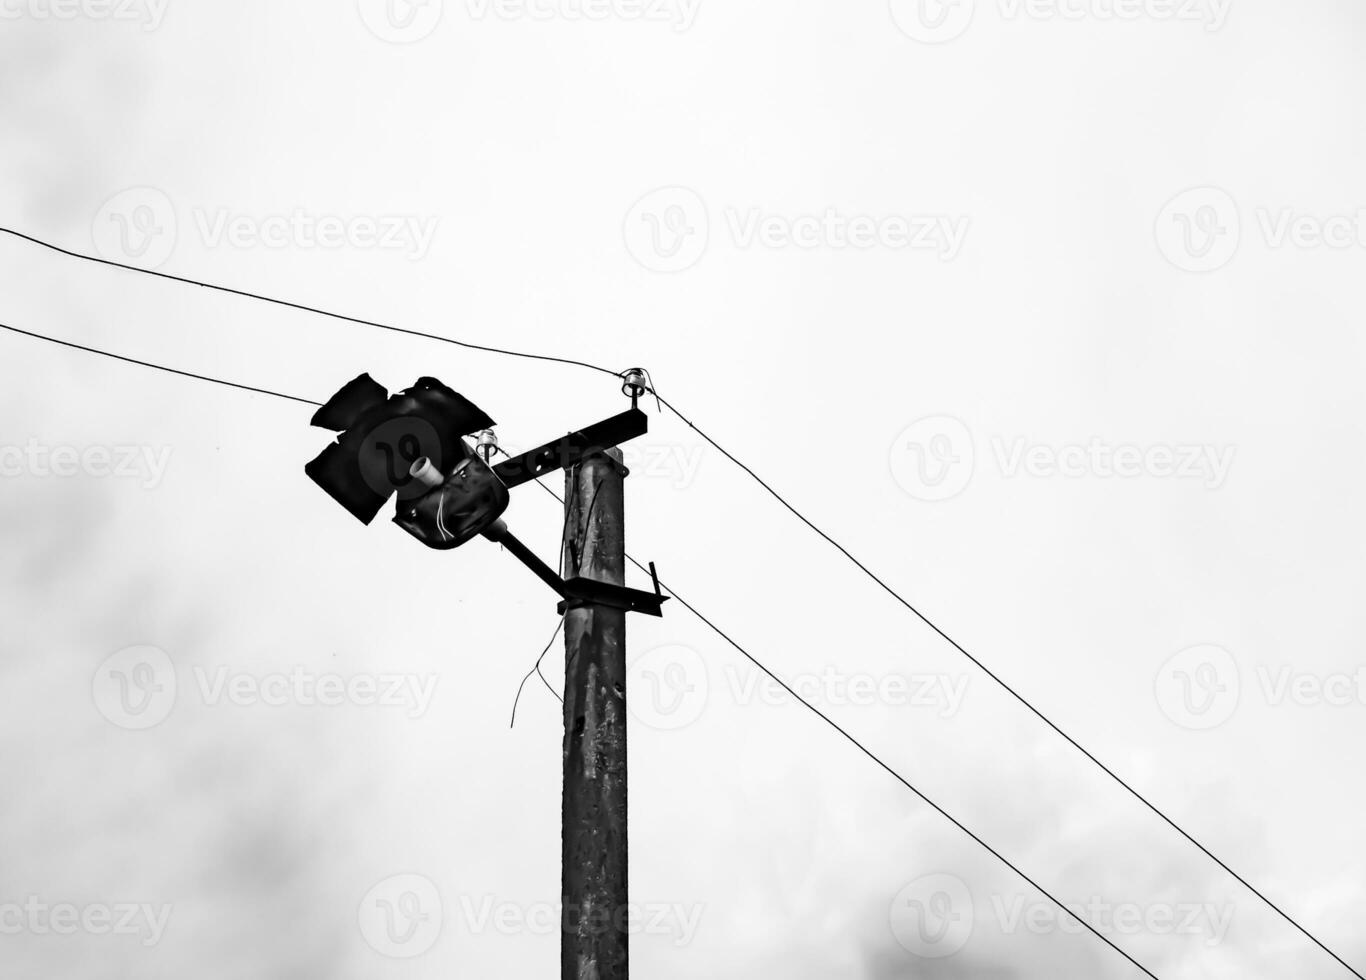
{"x":594,"y":941}
{"x":450,"y":494}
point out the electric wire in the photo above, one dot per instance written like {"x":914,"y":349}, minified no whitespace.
{"x":159,"y":367}
{"x":737,"y":462}
{"x":537,"y":670}
{"x":288,"y":304}
{"x":877,"y":759}
{"x":1012,"y":691}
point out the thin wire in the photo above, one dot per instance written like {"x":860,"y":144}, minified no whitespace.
{"x":303,"y":307}
{"x":877,"y":759}
{"x":159,"y":367}
{"x":568,"y":515}
{"x":536,"y":670}
{"x":587,"y":523}
{"x":798,"y":514}
{"x":553,"y":693}
{"x":1014,"y":693}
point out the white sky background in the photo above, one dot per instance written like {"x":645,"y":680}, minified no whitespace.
{"x":1065,"y":317}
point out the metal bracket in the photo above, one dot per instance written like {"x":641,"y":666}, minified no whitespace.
{"x":573,"y":448}
{"x":579,"y":591}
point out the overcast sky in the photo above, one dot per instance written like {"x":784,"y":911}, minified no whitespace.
{"x":1049,"y":311}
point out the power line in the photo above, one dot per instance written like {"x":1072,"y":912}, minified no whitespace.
{"x":875,"y":757}
{"x":300,"y":306}
{"x":158,"y":367}
{"x":1008,"y":688}
{"x":766,"y":486}
{"x":761,"y":666}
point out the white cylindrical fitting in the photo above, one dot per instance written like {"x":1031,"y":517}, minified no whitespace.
{"x":425,"y":473}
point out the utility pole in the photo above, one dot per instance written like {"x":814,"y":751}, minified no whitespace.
{"x":594,"y":940}
{"x":412,"y":444}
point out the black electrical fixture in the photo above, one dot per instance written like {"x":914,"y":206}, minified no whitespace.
{"x":412,"y":445}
